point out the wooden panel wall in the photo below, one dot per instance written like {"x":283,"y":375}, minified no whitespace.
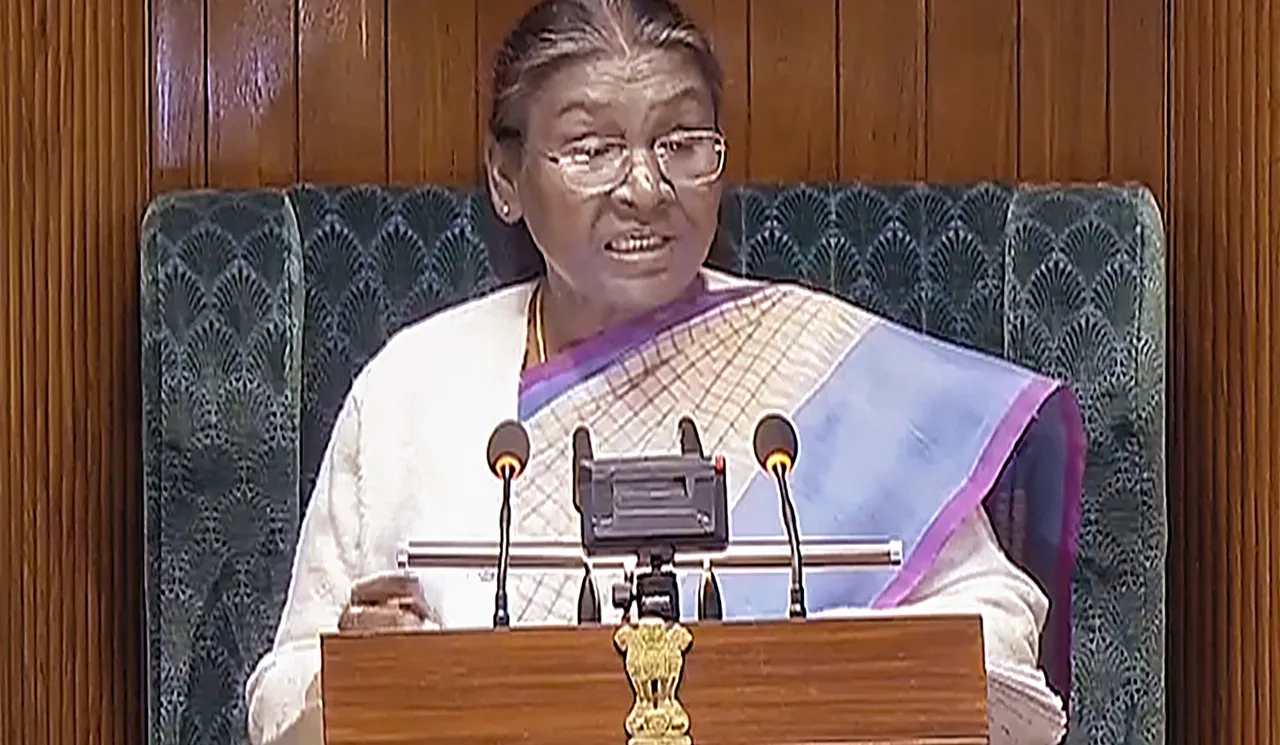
{"x":73,"y":183}
{"x":393,"y":91}
{"x":249,"y":92}
{"x":1225,"y":219}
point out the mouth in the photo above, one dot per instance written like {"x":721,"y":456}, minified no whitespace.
{"x":637,"y":245}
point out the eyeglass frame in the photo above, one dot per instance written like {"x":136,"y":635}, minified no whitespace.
{"x":563,"y":161}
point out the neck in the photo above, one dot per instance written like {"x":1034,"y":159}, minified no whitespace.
{"x":568,"y":317}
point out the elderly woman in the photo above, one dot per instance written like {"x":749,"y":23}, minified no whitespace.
{"x":605,"y":161}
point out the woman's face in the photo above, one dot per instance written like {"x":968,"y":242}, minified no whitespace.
{"x":622,"y":227}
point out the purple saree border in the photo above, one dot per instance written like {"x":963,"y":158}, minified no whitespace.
{"x":542,"y":384}
{"x":1068,"y":546}
{"x":1030,"y":401}
{"x":975,"y":489}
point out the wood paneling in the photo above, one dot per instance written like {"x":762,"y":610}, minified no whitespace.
{"x":252,"y":82}
{"x":432,"y":92}
{"x":249,"y":92}
{"x":342,"y":90}
{"x":1225,"y":461}
{"x":1137,"y":87}
{"x":972,"y":73}
{"x":179,"y":105}
{"x":73,"y":183}
{"x":793,"y":87}
{"x":1062,"y":91}
{"x":882,"y":89}
{"x":939,"y":90}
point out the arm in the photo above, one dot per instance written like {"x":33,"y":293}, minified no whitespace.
{"x":973,"y":575}
{"x":283,"y":693}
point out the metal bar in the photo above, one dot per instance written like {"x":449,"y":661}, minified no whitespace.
{"x":742,"y":555}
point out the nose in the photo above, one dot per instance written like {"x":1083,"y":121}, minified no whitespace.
{"x":644,"y":187}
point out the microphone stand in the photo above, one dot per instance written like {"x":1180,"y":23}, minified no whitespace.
{"x":744,"y":555}
{"x":796,"y":608}
{"x":656,"y":592}
{"x":501,"y":617}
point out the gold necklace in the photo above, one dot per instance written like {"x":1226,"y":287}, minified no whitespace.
{"x":537,"y":324}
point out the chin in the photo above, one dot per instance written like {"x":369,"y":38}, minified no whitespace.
{"x":643,"y":293}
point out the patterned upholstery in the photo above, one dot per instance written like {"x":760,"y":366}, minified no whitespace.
{"x":259,"y":308}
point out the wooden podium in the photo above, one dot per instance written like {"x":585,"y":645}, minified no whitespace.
{"x":893,"y":680}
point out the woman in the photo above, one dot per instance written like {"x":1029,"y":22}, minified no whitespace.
{"x":605,"y":160}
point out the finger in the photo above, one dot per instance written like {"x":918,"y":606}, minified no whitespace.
{"x":415,"y":605}
{"x":377,"y":618}
{"x":383,"y":587}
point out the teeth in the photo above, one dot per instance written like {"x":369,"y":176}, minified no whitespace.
{"x":633,"y":244}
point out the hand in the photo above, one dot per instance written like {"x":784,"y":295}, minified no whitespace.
{"x":391,"y":601}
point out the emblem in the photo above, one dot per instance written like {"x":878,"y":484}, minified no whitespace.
{"x":653,"y":654}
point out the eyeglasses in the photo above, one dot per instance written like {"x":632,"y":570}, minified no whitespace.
{"x":686,"y":158}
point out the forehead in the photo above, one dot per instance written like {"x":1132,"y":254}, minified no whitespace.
{"x":635,"y":90}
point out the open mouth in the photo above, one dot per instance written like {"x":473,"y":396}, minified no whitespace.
{"x":637,"y":245}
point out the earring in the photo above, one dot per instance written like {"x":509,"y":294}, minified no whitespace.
{"x":505,"y":210}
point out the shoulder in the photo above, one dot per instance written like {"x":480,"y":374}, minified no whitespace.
{"x":717,"y":280}
{"x":896,"y":343}
{"x":791,"y":293}
{"x":431,"y":351}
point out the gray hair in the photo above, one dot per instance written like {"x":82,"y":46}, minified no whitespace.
{"x":554,"y":33}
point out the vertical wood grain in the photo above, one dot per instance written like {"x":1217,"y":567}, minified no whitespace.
{"x":342,"y":91}
{"x":252,"y":93}
{"x":11,"y":586}
{"x":1181,"y":655}
{"x":1267,"y":168}
{"x":1187,"y":108}
{"x":10,"y":590}
{"x":881,"y":62}
{"x":11,"y":609}
{"x":1063,"y":130}
{"x":1227,"y":254}
{"x":1192,"y":245}
{"x":432,"y":92}
{"x":972,"y":84}
{"x":178,"y":103}
{"x":794,"y":86}
{"x":74,"y":113}
{"x":73,"y":140}
{"x":725,"y":22}
{"x":1137,"y":77}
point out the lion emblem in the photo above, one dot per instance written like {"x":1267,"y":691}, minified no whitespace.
{"x":653,"y":653}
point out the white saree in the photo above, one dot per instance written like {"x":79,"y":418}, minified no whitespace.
{"x":406,"y":460}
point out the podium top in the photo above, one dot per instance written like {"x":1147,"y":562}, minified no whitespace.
{"x":875,"y":680}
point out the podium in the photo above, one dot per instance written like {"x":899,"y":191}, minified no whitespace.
{"x":885,"y":679}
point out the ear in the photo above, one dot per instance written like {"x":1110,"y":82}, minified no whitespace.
{"x":502,"y":168}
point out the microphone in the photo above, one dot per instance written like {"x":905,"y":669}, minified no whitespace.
{"x":589,"y":610}
{"x":776,"y":446}
{"x":581,"y":452}
{"x":690,"y":443}
{"x":508,"y":454}
{"x":710,"y":604}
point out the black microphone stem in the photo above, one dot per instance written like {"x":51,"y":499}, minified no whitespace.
{"x":501,"y":618}
{"x":797,"y":605}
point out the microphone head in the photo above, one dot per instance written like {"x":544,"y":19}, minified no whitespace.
{"x":581,"y":444}
{"x":775,"y":442}
{"x":690,"y":443}
{"x":508,"y":449}
{"x":581,"y":451}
